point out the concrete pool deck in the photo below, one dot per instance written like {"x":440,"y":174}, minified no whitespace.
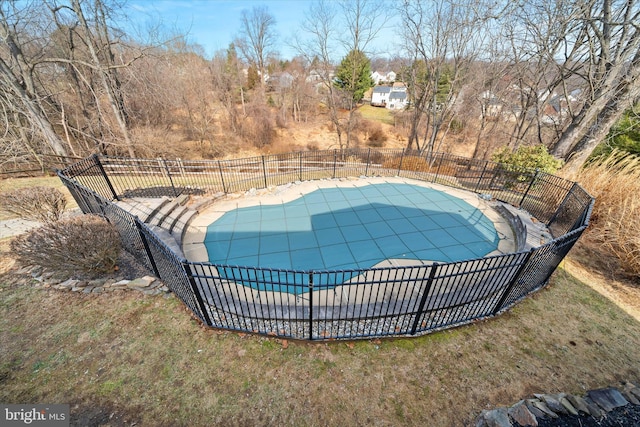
{"x":194,"y":248}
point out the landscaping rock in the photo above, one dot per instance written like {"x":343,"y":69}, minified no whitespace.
{"x":498,"y":418}
{"x":552,"y":403}
{"x":522,"y":415}
{"x":567,"y":405}
{"x":578,"y":403}
{"x":143,"y":282}
{"x":608,"y":398}
{"x":544,"y":408}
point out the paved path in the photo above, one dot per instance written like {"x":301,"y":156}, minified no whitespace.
{"x":13,"y":227}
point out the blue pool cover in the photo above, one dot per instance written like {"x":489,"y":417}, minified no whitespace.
{"x":349,"y":228}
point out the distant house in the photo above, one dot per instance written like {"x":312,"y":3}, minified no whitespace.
{"x":397,"y":100}
{"x":319,"y":76}
{"x":380,"y":96}
{"x":383,"y":77}
{"x":280,"y":81}
{"x":391,"y":97}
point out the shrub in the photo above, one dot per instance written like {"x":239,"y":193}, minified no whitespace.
{"x":527,"y":158}
{"x":42,"y":204}
{"x":81,"y":247}
{"x":615,"y":223}
{"x":376,"y":135}
{"x":258,"y":127}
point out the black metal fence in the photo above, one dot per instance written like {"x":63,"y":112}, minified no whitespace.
{"x":344,"y":304}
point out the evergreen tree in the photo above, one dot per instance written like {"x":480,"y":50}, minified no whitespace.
{"x":354,"y":75}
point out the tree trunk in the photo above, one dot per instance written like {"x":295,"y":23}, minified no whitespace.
{"x":33,"y":110}
{"x":108,"y":82}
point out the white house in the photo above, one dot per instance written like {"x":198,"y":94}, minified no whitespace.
{"x":391,"y":97}
{"x":397,"y":100}
{"x":383,"y":77}
{"x":380,"y":96}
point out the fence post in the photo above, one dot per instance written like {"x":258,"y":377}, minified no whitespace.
{"x":300,"y":163}
{"x":104,"y":175}
{"x":311,"y":306}
{"x":481,"y":176}
{"x":147,"y":249}
{"x":438,"y":168}
{"x":264,"y":171}
{"x":400,"y":164}
{"x":366,"y":169}
{"x":515,"y":279}
{"x":166,"y":169}
{"x":335,"y":162}
{"x":224,"y":187}
{"x":425,"y":294}
{"x":526,"y":193}
{"x":196,"y":292}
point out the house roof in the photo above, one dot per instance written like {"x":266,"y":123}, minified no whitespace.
{"x":381,"y":89}
{"x":398,"y":95}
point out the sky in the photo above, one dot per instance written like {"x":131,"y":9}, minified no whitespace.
{"x":214,"y":24}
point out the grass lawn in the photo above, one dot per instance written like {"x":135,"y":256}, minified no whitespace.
{"x":126,"y":358}
{"x":376,"y":113}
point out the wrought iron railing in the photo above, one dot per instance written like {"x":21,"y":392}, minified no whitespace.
{"x":343,"y":304}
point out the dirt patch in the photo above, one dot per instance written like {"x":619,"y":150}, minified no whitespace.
{"x":88,"y":415}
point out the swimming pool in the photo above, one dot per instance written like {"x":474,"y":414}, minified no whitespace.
{"x":350,"y":228}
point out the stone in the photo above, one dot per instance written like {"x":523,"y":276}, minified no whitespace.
{"x":87,"y":290}
{"x":568,"y":406}
{"x":498,"y":417}
{"x":630,"y":397}
{"x":578,"y":403}
{"x":552,"y":403}
{"x":121,"y":283}
{"x":96,"y":282}
{"x":142,"y":282}
{"x":535,"y":411}
{"x":633,"y":389}
{"x":544,"y":408}
{"x":70,"y":283}
{"x":522,"y":415}
{"x":608,"y":398}
{"x":594,"y":409}
{"x":480,"y":421}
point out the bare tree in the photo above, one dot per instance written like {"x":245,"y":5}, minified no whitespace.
{"x":257,"y":38}
{"x":362,"y":21}
{"x":443,"y":38}
{"x":605,"y":53}
{"x":22,"y":98}
{"x":99,"y":44}
{"x":321,"y":27}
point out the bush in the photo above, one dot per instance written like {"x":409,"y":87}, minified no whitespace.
{"x":527,"y":158}
{"x":42,"y":204}
{"x":85,"y":246}
{"x":376,"y":135}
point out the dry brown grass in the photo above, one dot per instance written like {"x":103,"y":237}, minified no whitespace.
{"x":615,"y":223}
